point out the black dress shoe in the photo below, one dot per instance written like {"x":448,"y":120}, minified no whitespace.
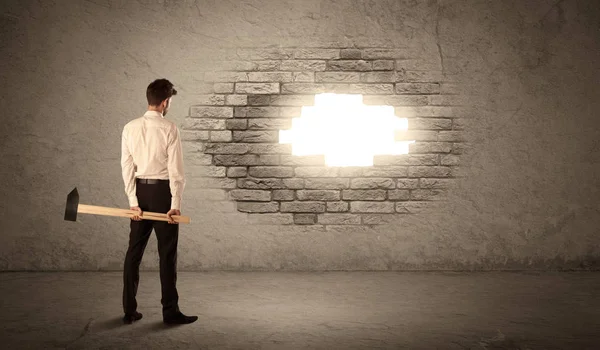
{"x":130,"y":318}
{"x":180,"y":318}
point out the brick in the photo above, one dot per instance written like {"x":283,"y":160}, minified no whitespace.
{"x":270,"y":148}
{"x":436,"y":183}
{"x":430,"y":147}
{"x":283,"y":195}
{"x":316,"y":171}
{"x":407,"y":183}
{"x":194,"y":135}
{"x":263,"y":184}
{"x":424,"y":76}
{"x":250,"y":195}
{"x":267,"y":65}
{"x":210,"y":100}
{"x":418,"y":135}
{"x":237,"y":171}
{"x":211,"y":112}
{"x":270,"y":219}
{"x":363,"y":195}
{"x":428,"y":194}
{"x":269,"y":124}
{"x":386,"y":53}
{"x":337,"y":77}
{"x":318,"y":195}
{"x":236,"y":124}
{"x":424,"y":111}
{"x":269,"y":159}
{"x":339,"y":219}
{"x":255,"y":136}
{"x":398,"y":195}
{"x":337,"y":207}
{"x":302,"y":207}
{"x":223,"y":88}
{"x":383,"y":171}
{"x":236,"y":100}
{"x":458,"y":148}
{"x":265,"y":54}
{"x":220,"y":136}
{"x":234,"y":160}
{"x":372,"y":183}
{"x":293,"y":183}
{"x":371,"y":207}
{"x":203,"y":124}
{"x":232,"y":65}
{"x":351,"y":54}
{"x":350,"y":65}
{"x":226,"y":148}
{"x":417,"y":88}
{"x":292,"y":100}
{"x":451,"y":136}
{"x":449,"y":159}
{"x":378,"y":77}
{"x":257,"y":88}
{"x":271,"y":171}
{"x":281,"y":77}
{"x":303,"y":77}
{"x":430,"y":123}
{"x":365,"y":89}
{"x":428,"y":171}
{"x":383,"y":65}
{"x":303,"y":160}
{"x":303,"y":65}
{"x":225,"y":77}
{"x":302,"y":88}
{"x":459,"y":123}
{"x":259,"y":100}
{"x":305,"y":219}
{"x":447,"y":100}
{"x":317,"y":54}
{"x":326,"y":183}
{"x":256,"y":112}
{"x":254,"y":207}
{"x":395,"y":100}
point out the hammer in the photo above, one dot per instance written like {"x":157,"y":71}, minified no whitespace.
{"x":73,"y":207}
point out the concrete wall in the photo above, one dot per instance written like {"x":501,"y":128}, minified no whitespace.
{"x":518,"y":77}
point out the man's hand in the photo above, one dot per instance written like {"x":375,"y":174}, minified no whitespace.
{"x":173,"y":212}
{"x":138,"y":216}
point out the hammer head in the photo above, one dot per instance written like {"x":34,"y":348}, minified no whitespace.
{"x":72,"y":204}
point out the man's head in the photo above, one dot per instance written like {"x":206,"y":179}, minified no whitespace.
{"x":159,"y":95}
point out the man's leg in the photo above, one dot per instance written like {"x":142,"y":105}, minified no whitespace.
{"x":138,"y":238}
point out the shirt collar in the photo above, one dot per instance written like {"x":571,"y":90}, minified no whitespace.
{"x":153,"y":114}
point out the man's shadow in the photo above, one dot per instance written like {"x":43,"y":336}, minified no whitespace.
{"x":139,"y":326}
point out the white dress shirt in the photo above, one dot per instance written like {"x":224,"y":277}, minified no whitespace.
{"x":151,"y":149}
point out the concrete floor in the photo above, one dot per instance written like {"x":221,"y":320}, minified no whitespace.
{"x":293,"y":310}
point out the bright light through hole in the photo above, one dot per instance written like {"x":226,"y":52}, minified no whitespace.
{"x":346,"y":131}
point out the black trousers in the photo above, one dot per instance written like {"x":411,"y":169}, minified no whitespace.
{"x":154,"y":198}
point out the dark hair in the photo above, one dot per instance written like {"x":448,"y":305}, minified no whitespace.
{"x":158,"y":91}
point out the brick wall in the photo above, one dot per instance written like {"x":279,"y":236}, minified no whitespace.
{"x":234,"y":127}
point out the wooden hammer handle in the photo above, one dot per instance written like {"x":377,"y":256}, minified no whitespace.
{"x":127,"y":213}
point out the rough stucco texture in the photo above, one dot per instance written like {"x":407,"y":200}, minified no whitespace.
{"x":526,"y":190}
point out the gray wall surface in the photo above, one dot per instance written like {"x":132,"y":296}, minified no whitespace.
{"x":525,"y":195}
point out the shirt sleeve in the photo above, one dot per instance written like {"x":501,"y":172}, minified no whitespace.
{"x":175,"y":167}
{"x":128,"y":170}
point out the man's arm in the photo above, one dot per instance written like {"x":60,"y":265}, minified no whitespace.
{"x":175,"y":167}
{"x":128,"y":169}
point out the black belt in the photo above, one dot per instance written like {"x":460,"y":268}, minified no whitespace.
{"x":151,"y":181}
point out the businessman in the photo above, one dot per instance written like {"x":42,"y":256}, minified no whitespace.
{"x":152,"y":166}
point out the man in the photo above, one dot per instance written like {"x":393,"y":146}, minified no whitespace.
{"x":152,"y":165}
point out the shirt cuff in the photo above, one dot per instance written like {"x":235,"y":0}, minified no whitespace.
{"x":133,"y":201}
{"x":176,"y":203}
